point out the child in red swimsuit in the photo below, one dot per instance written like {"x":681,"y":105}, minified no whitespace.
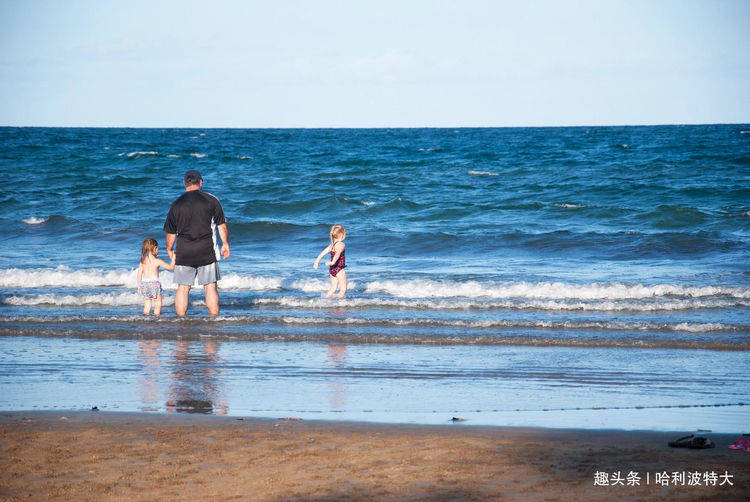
{"x":338,"y":261}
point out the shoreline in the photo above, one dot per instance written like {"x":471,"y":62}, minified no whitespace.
{"x":168,"y":333}
{"x":145,"y":456}
{"x":191,"y":418}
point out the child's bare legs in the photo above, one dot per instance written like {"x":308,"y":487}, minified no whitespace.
{"x":146,"y":306}
{"x":157,"y":305}
{"x":334,"y":284}
{"x":341,"y":276}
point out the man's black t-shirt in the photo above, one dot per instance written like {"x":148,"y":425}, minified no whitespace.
{"x":193,"y":217}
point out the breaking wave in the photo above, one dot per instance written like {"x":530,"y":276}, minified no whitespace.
{"x":490,"y":324}
{"x":651,"y":305}
{"x":65,"y":277}
{"x":548,"y":295}
{"x":33,"y":220}
{"x":106,"y":299}
{"x":137,"y":155}
{"x":424,"y":288}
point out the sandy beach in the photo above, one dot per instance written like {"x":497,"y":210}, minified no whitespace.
{"x":130,"y":456}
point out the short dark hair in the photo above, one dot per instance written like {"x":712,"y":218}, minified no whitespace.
{"x":192,"y":177}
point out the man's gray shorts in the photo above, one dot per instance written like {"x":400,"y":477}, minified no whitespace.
{"x":206,"y":274}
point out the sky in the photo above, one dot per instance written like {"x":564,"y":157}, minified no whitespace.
{"x":405,"y":63}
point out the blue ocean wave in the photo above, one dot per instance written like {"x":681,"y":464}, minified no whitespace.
{"x":583,"y":205}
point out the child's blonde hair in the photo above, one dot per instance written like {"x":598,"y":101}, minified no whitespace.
{"x":337,"y":231}
{"x":148,"y":247}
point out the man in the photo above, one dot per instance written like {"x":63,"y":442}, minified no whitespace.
{"x":191,"y":221}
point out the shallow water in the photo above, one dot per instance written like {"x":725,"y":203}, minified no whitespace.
{"x":492,"y":270}
{"x":657,"y":389}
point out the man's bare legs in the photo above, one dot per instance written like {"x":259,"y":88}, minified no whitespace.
{"x":212,"y":299}
{"x":181,"y":299}
{"x":183,"y":293}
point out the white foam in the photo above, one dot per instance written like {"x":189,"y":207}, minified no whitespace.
{"x":198,"y":155}
{"x":65,"y":277}
{"x":569,"y":206}
{"x":96,"y":299}
{"x":92,"y":278}
{"x":423,"y":288}
{"x":89,"y":318}
{"x":133,"y":300}
{"x":254,"y":283}
{"x":33,"y":220}
{"x":700,"y":327}
{"x":654,"y":305}
{"x":173,"y":156}
{"x":244,"y":157}
{"x":131,"y":155}
{"x":367,"y":203}
{"x":106,"y":299}
{"x":483,"y":173}
{"x":512,"y":324}
{"x":317,"y":285}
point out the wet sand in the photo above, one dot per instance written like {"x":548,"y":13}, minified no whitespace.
{"x":130,"y":456}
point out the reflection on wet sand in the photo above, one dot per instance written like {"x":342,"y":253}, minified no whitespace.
{"x":194,"y":386}
{"x":193,"y":378}
{"x":336,"y":385}
{"x":148,"y":382}
{"x":487,"y":385}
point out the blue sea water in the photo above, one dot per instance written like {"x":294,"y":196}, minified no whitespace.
{"x":617,"y":238}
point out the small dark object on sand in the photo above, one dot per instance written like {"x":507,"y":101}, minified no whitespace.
{"x":240,"y":418}
{"x":701,"y":443}
{"x":692,"y":442}
{"x":95,"y":408}
{"x":457,"y":419}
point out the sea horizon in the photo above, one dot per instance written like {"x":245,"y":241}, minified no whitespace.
{"x":376,"y":127}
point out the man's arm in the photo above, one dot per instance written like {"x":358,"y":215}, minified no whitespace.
{"x":224,"y":235}
{"x":170,"y":227}
{"x":170,"y":245}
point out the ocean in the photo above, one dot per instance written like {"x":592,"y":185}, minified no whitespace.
{"x":496,"y":273}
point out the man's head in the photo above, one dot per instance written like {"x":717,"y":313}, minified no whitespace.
{"x":192,"y":179}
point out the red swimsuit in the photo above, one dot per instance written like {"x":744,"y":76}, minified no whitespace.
{"x":340,"y":263}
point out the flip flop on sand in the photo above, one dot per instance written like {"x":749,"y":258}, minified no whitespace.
{"x":742,"y":443}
